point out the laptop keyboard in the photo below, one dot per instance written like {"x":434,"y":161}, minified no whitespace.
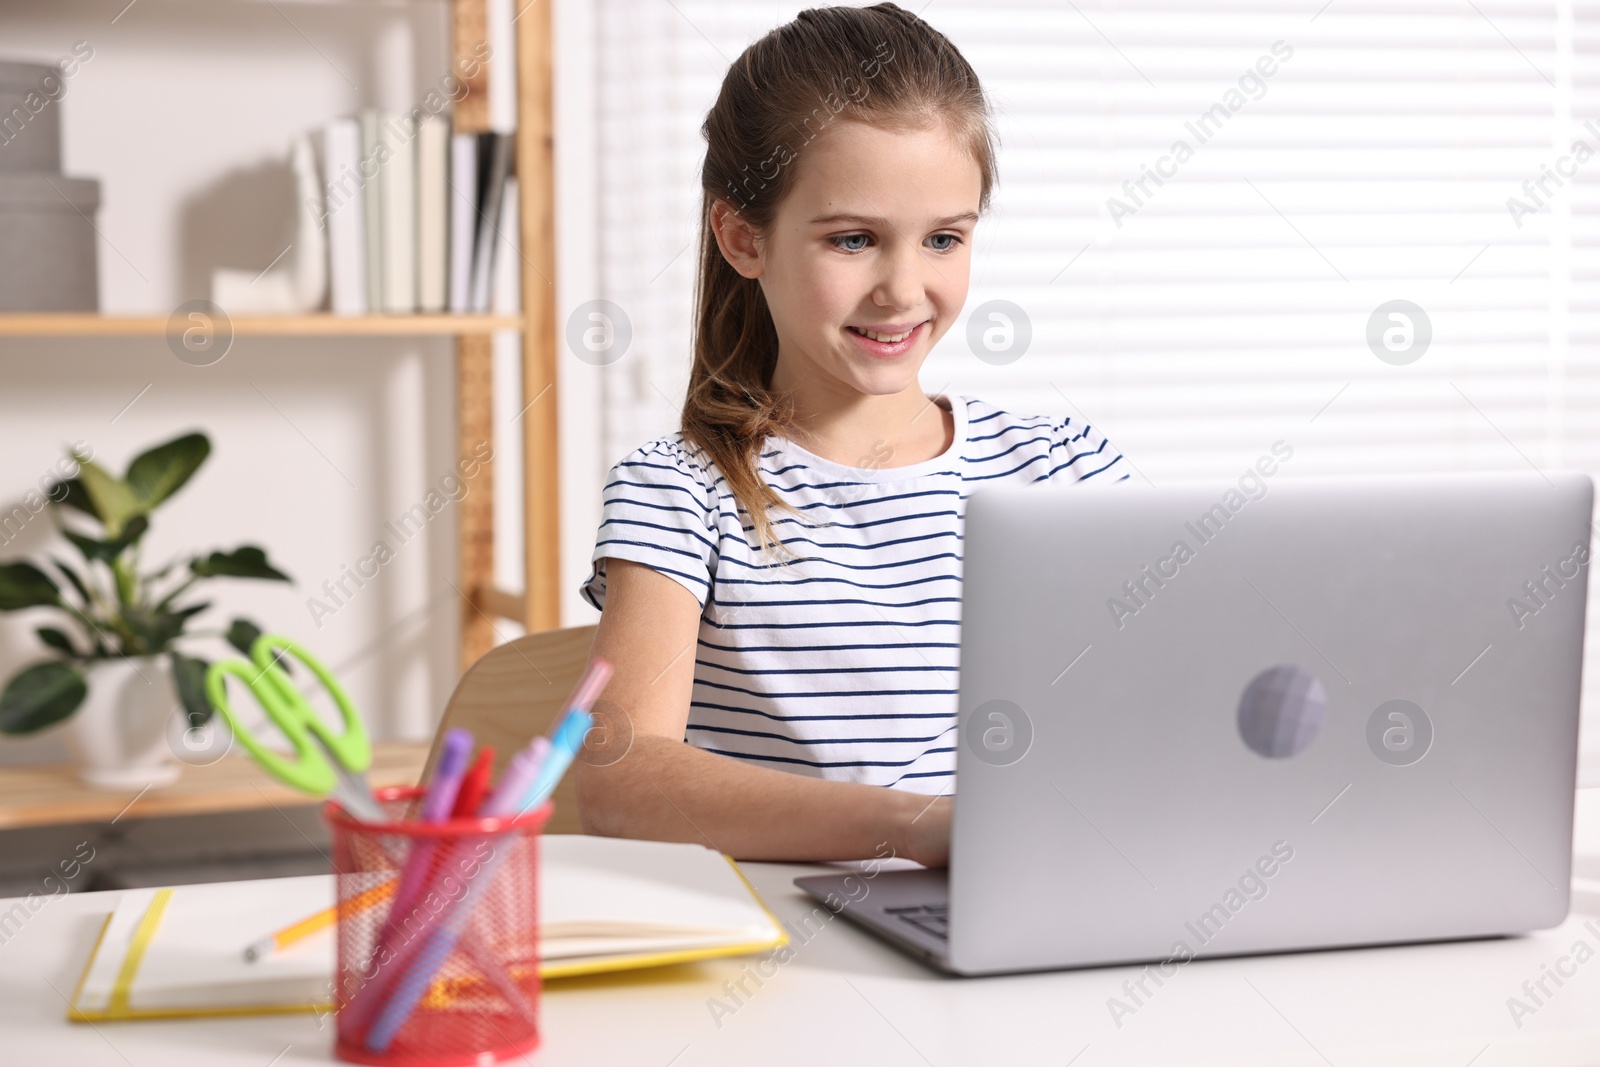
{"x":929,"y":918}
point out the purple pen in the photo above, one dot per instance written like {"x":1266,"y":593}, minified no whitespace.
{"x":453,"y":759}
{"x":436,"y":804}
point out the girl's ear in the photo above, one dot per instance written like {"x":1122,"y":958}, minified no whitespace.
{"x":736,"y":239}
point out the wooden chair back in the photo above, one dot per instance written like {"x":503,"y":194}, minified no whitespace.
{"x":513,"y":694}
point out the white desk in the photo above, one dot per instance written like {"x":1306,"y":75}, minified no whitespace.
{"x":845,"y":998}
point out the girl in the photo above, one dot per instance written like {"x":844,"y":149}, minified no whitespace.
{"x":780,"y":581}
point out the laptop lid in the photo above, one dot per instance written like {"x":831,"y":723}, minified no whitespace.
{"x":1265,"y":715}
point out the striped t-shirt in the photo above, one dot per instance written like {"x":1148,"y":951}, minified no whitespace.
{"x":842,"y":665}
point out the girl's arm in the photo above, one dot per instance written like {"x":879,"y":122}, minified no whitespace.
{"x":666,"y":789}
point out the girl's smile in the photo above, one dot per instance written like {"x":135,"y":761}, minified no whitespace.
{"x":890,"y":341}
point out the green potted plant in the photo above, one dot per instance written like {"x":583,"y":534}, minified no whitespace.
{"x":117,"y":662}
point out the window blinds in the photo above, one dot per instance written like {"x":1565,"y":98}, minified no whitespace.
{"x":1204,"y":208}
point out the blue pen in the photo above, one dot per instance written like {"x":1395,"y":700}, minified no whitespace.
{"x":565,"y":741}
{"x":566,"y":738}
{"x":564,"y":745}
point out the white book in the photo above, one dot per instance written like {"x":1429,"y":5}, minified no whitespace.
{"x":506,"y":275}
{"x":398,"y":182}
{"x":433,"y":213}
{"x":605,"y":904}
{"x":463,"y":218}
{"x":345,"y":216}
{"x":372,"y":207}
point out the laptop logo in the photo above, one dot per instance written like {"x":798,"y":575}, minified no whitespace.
{"x":1281,"y":711}
{"x":999,"y":733}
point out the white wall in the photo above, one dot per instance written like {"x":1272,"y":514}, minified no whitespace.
{"x":185,"y":114}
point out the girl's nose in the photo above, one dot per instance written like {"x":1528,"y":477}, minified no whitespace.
{"x":901,"y":285}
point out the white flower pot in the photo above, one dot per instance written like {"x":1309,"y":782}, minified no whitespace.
{"x":118,"y":737}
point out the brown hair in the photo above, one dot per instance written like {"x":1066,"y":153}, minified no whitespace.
{"x":880,"y":65}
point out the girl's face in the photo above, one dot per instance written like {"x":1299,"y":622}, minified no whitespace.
{"x":866,"y":264}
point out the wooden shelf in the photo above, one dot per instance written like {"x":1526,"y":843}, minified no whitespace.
{"x":51,"y":795}
{"x":539,"y":326}
{"x":90,"y":324}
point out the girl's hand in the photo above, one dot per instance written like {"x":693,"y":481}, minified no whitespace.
{"x":925,"y":832}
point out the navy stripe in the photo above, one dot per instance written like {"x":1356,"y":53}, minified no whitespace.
{"x":1003,"y":474}
{"x":842,"y":581}
{"x":647,"y":487}
{"x":657,"y":566}
{"x":1013,"y":448}
{"x":925,"y":774}
{"x":876,"y":668}
{"x":653,"y":548}
{"x":1083,"y":455}
{"x":658,"y":526}
{"x":853,"y":694}
{"x":1108,"y":466}
{"x":830,"y":763}
{"x":847,"y":566}
{"x":767,"y":735}
{"x":742,"y":605}
{"x":869,"y":524}
{"x":822,"y":648}
{"x":897,"y":623}
{"x":845,"y":544}
{"x":846,"y":717}
{"x":1026,"y":426}
{"x":1069,"y":440}
{"x":875,"y":500}
{"x":652,"y":505}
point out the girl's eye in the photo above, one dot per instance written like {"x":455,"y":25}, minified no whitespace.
{"x":849,"y":242}
{"x":949,"y":240}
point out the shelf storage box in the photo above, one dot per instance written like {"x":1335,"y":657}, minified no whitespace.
{"x":48,"y":254}
{"x":30,"y":120}
{"x":48,"y":244}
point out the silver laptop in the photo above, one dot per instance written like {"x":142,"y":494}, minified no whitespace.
{"x":1255,"y":716}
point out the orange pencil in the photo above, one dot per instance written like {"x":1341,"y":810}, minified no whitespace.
{"x":321,"y":920}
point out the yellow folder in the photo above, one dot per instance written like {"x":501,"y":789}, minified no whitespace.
{"x":606,"y":904}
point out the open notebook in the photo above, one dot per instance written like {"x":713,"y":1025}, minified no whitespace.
{"x":606,"y":904}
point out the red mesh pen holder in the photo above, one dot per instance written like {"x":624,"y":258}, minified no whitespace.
{"x":438,"y":962}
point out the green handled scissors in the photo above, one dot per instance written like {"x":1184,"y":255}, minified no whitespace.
{"x":326,"y":763}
